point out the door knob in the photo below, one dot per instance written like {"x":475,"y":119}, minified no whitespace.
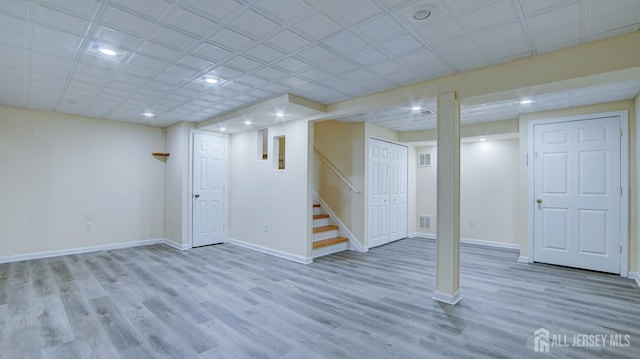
{"x":196,"y":195}
{"x":538,"y":201}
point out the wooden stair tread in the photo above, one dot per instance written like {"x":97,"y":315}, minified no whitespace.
{"x":324,"y":229}
{"x":329,"y":242}
{"x":316,"y":205}
{"x":320,"y":216}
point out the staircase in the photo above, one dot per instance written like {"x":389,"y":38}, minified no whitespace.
{"x":326,"y":239}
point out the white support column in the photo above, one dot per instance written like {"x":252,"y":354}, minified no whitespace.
{"x":448,"y":207}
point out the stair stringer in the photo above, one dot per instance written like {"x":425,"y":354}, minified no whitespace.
{"x":343,"y":231}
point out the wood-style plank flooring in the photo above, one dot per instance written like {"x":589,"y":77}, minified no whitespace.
{"x":229,"y":302}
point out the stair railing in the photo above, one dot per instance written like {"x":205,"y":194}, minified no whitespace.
{"x":335,"y":170}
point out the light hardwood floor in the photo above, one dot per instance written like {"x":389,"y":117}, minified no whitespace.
{"x":228,"y":302}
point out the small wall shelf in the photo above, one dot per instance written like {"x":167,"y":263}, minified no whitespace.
{"x":161,"y":154}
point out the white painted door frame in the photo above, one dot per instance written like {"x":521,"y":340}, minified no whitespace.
{"x":192,"y":132}
{"x":368,"y":184}
{"x":624,"y":179}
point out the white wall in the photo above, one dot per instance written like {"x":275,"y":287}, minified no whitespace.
{"x":260,"y":195}
{"x":176,"y":212}
{"x":56,"y":168}
{"x":488,"y":190}
{"x":635,"y":196}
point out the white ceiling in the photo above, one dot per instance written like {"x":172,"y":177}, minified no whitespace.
{"x":405,"y":119}
{"x":324,"y":50}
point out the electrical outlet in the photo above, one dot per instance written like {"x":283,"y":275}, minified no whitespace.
{"x":266,"y":227}
{"x":88,"y":226}
{"x":472,"y":222}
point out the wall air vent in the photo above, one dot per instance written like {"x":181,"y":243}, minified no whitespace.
{"x":424,"y":160}
{"x":425,"y":222}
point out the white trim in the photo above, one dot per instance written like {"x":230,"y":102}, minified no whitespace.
{"x":192,"y":132}
{"x":491,"y":244}
{"x":178,"y":246}
{"x":65,"y":252}
{"x":354,"y":245}
{"x":451,"y":299}
{"x":414,"y":235}
{"x":635,"y":276}
{"x":523,"y":259}
{"x":624,"y":178}
{"x":426,"y":235}
{"x":273,"y":252}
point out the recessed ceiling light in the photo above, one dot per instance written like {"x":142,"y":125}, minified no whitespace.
{"x":421,"y":14}
{"x":416,"y":108}
{"x":280,"y":114}
{"x":526,"y":101}
{"x":209,"y":80}
{"x":148,"y":114}
{"x":247,"y":122}
{"x":223,"y":129}
{"x":107,"y":51}
{"x":483,"y":139}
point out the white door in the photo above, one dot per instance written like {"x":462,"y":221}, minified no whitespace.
{"x":208,"y":189}
{"x":577,"y":194}
{"x":388,"y":195}
{"x":378,"y":193}
{"x":398,"y":191}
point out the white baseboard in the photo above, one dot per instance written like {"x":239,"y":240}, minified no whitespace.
{"x":178,"y":246}
{"x":425,"y":235}
{"x":636,"y":276}
{"x":413,"y":235}
{"x":354,"y":244}
{"x":273,"y":252}
{"x":65,"y":252}
{"x":451,"y":299}
{"x":523,"y":259}
{"x":491,"y":244}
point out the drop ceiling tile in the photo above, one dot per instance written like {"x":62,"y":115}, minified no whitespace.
{"x":146,"y":61}
{"x":291,"y":65}
{"x":387,"y":68}
{"x":369,"y":56}
{"x":271,"y":73}
{"x":462,"y":53}
{"x":158,"y":51}
{"x":345,"y":43}
{"x":212,"y":53}
{"x":338,"y":66}
{"x":49,"y":36}
{"x":315,"y":74}
{"x":226,"y":72}
{"x":181,"y":72}
{"x":601,"y":7}
{"x":466,"y":5}
{"x":353,"y":12}
{"x":339,"y":84}
{"x":286,"y":10}
{"x":126,"y":21}
{"x":195,"y":62}
{"x":401,"y":45}
{"x":121,"y":86}
{"x":172,"y":38}
{"x":83,"y":8}
{"x":116,"y":38}
{"x":230,"y":40}
{"x":533,"y":6}
{"x":441,"y":31}
{"x":293,"y":82}
{"x":288,"y":42}
{"x":186,"y":92}
{"x":424,"y":63}
{"x":318,"y":26}
{"x":317,"y":55}
{"x":188,"y":21}
{"x":254,"y":25}
{"x":275,"y":88}
{"x":380,"y":28}
{"x":66,"y":22}
{"x":53,"y":50}
{"x":359,"y":76}
{"x":264,"y":53}
{"x":218,"y":9}
{"x":15,"y":8}
{"x":503,"y":41}
{"x":13,"y":39}
{"x":491,"y":15}
{"x":614,"y":21}
{"x":152,"y":8}
{"x":140,"y":71}
{"x":244,"y":63}
{"x":252,"y":81}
